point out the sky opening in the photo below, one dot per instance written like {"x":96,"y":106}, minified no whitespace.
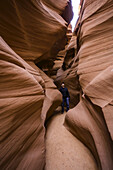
{"x":75,"y":5}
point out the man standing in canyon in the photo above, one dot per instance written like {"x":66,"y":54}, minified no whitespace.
{"x":65,"y":97}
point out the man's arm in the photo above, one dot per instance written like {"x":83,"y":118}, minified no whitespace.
{"x":68,"y":93}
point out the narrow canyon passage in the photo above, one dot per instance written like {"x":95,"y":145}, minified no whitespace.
{"x":39,"y":51}
{"x":63,"y":150}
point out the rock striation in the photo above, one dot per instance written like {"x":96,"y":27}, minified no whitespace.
{"x":91,"y":120}
{"x":63,"y":150}
{"x":68,"y":74}
{"x":30,"y":31}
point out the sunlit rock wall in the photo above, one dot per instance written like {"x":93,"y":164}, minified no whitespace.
{"x":91,"y":121}
{"x":29,"y":30}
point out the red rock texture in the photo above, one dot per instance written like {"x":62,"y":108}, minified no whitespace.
{"x":68,"y":72}
{"x":51,"y":65}
{"x":63,"y":150}
{"x":91,"y":121}
{"x":21,"y":96}
{"x":29,"y":32}
{"x":32,"y":31}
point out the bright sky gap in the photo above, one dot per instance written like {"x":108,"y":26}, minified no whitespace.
{"x":75,"y":5}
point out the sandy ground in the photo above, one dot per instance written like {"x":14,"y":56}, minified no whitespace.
{"x":63,"y":150}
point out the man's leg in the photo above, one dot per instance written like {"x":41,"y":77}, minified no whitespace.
{"x":63,"y":105}
{"x":67,"y":104}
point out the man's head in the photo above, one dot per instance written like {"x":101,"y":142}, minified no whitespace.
{"x":63,"y":85}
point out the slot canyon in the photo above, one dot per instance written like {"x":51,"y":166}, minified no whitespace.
{"x":39,"y":51}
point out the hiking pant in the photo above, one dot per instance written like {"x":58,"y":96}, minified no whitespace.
{"x":65,"y":100}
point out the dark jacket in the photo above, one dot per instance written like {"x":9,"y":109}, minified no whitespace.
{"x":64,"y":92}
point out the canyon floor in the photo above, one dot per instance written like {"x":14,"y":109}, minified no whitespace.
{"x":63,"y":150}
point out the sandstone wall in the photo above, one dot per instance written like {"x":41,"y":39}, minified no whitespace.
{"x":29,"y":32}
{"x":91,"y":120}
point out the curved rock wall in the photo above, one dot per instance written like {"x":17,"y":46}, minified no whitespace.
{"x":35,"y":30}
{"x":21,"y":95}
{"x":68,"y":74}
{"x":32,"y":27}
{"x":91,"y":120}
{"x":29,"y":31}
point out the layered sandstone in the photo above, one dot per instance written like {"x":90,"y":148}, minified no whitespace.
{"x":63,"y":150}
{"x":33,"y":32}
{"x":30,"y":32}
{"x":91,"y":120}
{"x":68,"y":74}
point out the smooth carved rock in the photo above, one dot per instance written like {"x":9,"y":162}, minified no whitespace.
{"x":91,"y":121}
{"x":68,"y":72}
{"x":29,"y":30}
{"x":63,"y":150}
{"x":51,"y":65}
{"x":32,"y":31}
{"x":35,"y":36}
{"x":87,"y":123}
{"x":24,"y":109}
{"x":21,"y":102}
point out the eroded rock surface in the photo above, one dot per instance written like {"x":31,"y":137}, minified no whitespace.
{"x":91,"y":120}
{"x":30,"y":32}
{"x":63,"y":150}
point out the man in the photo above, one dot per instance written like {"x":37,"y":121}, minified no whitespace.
{"x":65,"y":97}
